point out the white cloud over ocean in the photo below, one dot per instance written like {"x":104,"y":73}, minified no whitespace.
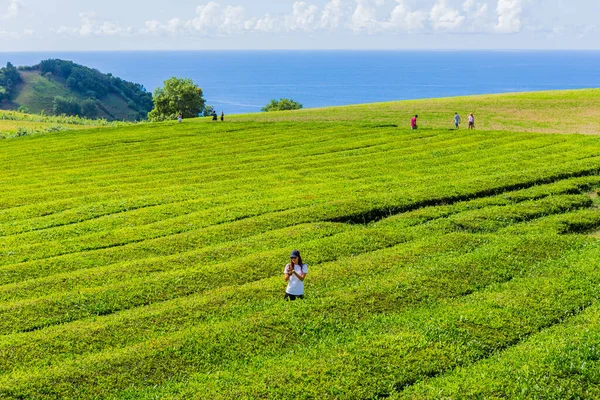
{"x":369,"y":17}
{"x":348,"y":20}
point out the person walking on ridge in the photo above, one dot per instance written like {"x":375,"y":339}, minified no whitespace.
{"x":413,"y":122}
{"x":222,"y":115}
{"x":471,"y":121}
{"x":456,"y":120}
{"x":294,"y":274}
{"x":214,"y":115}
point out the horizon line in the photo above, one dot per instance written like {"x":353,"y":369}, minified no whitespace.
{"x":303,"y":50}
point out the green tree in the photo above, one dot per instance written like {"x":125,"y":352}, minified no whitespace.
{"x":208,"y":111}
{"x":282,"y":105}
{"x":179,"y":95}
{"x":9,"y":80}
{"x":89,"y":109}
{"x":66,"y":106}
{"x":23,"y":109}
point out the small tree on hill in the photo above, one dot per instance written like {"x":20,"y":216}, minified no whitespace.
{"x":89,"y":109}
{"x":282,"y":105}
{"x":66,"y":106}
{"x":179,"y":95}
{"x":208,"y":111}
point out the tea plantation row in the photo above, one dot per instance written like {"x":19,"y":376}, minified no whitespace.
{"x":145,"y":261}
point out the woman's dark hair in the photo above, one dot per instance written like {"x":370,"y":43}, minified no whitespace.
{"x":299,"y":261}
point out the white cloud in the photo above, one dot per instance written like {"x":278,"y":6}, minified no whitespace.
{"x":4,"y":34}
{"x":509,"y":16}
{"x":475,"y":9}
{"x":89,"y":26}
{"x":13,"y":10}
{"x":403,"y":18}
{"x":444,"y":18}
{"x":207,"y":17}
{"x":364,"y":17}
{"x":233,"y":19}
{"x":214,"y":19}
{"x":303,"y":17}
{"x":264,"y":25}
{"x":332,"y":14}
{"x":210,"y":18}
{"x":478,"y":17}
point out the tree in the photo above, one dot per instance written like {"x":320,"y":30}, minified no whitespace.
{"x":282,"y":105}
{"x":89,"y":109}
{"x":9,"y":80}
{"x":66,"y":106}
{"x":179,"y":95}
{"x":23,"y":109}
{"x":208,"y":111}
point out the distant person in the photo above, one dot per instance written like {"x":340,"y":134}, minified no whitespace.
{"x":413,"y":122}
{"x":222,"y":115}
{"x":294,"y":274}
{"x":214,"y":115}
{"x":471,"y":121}
{"x":456,"y":120}
{"x":179,"y":117}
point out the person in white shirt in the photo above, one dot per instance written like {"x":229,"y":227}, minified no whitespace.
{"x":471,"y":121}
{"x":294,"y":274}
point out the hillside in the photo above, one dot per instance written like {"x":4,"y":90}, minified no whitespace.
{"x":84,"y":92}
{"x":146,"y":261}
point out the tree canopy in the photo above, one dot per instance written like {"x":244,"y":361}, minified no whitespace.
{"x":282,"y":104}
{"x":9,"y":79}
{"x":179,"y":95}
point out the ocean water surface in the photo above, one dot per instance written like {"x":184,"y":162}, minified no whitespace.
{"x":245,"y":81}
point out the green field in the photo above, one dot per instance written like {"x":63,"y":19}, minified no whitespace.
{"x":15,"y":124}
{"x":144,"y":261}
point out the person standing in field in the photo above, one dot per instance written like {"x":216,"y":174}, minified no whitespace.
{"x":294,"y":274}
{"x":214,"y":115}
{"x":413,"y":122}
{"x":471,"y":121}
{"x":179,"y":117}
{"x":222,"y":115}
{"x":456,"y":120}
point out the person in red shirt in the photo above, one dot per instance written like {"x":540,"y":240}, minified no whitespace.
{"x":413,"y":122}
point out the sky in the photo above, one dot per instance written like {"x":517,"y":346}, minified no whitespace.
{"x":82,"y":25}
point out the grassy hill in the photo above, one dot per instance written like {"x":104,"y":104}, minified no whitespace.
{"x":146,"y":261}
{"x":40,"y":85}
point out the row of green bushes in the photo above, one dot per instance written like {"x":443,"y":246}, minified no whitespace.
{"x":146,"y":262}
{"x":452,"y":328}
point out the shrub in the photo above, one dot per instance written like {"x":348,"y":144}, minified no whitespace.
{"x":282,"y":105}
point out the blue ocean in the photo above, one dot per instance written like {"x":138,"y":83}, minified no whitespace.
{"x":244,"y":81}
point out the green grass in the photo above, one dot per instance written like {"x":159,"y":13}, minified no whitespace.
{"x":38,"y":92}
{"x":566,"y":111}
{"x":15,"y":124}
{"x":144,"y":261}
